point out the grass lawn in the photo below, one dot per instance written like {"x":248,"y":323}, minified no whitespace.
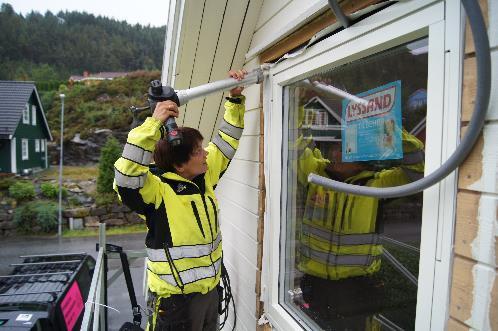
{"x":136,"y":228}
{"x":70,"y":172}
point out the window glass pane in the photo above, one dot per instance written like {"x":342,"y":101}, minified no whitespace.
{"x":351,"y":262}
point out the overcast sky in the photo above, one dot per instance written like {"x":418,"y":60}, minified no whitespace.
{"x":153,"y":12}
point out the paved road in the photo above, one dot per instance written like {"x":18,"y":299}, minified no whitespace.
{"x":12,"y":248}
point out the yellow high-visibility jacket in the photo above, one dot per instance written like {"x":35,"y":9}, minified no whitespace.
{"x":183,"y":240}
{"x":337,"y":232}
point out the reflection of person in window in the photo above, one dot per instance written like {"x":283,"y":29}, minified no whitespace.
{"x":339,"y":247}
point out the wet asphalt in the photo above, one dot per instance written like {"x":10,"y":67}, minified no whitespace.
{"x":118,"y":297}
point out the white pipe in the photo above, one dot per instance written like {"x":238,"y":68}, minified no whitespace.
{"x":184,"y":96}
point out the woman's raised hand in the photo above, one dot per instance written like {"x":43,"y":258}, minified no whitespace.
{"x":165,"y":110}
{"x":238,"y":75}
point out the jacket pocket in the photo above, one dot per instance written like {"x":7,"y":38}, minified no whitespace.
{"x":197,"y":217}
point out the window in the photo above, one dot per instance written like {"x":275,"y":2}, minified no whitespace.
{"x":33,"y":115}
{"x":43,"y":142}
{"x":37,"y":145}
{"x":25,"y":114}
{"x":25,"y":149}
{"x":338,"y":261}
{"x":353,"y":261}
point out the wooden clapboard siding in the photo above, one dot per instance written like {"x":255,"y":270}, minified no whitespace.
{"x":239,"y":193}
{"x":475,"y":305}
{"x":238,"y":216}
{"x":243,"y":171}
{"x":251,"y":122}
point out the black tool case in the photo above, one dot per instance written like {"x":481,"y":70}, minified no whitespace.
{"x":46,"y":292}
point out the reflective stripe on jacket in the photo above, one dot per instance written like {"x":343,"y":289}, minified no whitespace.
{"x":184,"y":243}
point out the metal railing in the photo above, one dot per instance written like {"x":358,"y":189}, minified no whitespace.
{"x":95,"y":315}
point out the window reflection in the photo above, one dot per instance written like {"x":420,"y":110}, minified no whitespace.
{"x":352,"y":261}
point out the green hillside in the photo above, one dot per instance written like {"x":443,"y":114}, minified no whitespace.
{"x":50,"y":48}
{"x":101,"y":105}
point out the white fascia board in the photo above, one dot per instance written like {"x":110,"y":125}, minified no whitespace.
{"x":172,"y":40}
{"x":307,"y":16}
{"x":43,"y":113}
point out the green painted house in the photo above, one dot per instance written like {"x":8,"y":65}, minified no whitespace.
{"x":24,"y":130}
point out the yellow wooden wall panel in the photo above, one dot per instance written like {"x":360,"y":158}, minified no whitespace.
{"x":212,"y":19}
{"x":191,"y":26}
{"x":242,"y":47}
{"x":469,"y":88}
{"x":225,"y":51}
{"x":454,"y":325}
{"x":470,"y":171}
{"x":466,"y":225}
{"x":469,"y":41}
{"x":462,"y":289}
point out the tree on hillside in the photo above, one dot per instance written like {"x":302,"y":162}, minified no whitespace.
{"x":71,"y":42}
{"x":109,"y":154}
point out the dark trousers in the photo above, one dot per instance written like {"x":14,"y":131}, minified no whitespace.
{"x":188,"y":312}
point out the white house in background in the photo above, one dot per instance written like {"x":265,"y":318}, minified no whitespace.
{"x":443,"y":240}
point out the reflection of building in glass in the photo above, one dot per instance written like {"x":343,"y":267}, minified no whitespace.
{"x":321,"y":120}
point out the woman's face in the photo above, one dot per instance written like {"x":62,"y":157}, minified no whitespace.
{"x":196,"y":165}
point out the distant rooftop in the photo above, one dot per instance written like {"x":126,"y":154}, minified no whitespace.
{"x":97,"y":76}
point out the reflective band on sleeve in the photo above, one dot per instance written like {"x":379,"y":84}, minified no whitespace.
{"x":194,"y":274}
{"x":413,"y":157}
{"x":180,"y":252}
{"x":132,"y":182}
{"x":137,"y":154}
{"x":333,"y":259}
{"x":231,"y":130}
{"x":224,"y":147}
{"x":344,"y":239}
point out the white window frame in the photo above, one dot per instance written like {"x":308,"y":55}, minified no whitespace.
{"x":395,"y":25}
{"x":25,"y":149}
{"x":33,"y":115}
{"x":37,"y":145}
{"x":25,"y":114}
{"x":42,"y":145}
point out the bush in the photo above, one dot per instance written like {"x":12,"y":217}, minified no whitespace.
{"x":108,"y":155}
{"x":6,"y":182}
{"x":51,"y":191}
{"x":104,"y":199}
{"x":22,"y":191}
{"x":43,"y":214}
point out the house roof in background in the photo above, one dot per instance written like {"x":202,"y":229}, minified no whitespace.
{"x":13,"y":98}
{"x":98,"y":76}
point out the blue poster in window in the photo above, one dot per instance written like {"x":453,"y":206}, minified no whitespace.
{"x":372,"y":130}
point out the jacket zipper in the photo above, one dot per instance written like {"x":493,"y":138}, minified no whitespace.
{"x":197,"y":217}
{"x":215,"y":214}
{"x":211,"y":231}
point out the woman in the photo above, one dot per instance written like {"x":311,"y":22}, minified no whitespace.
{"x":176,"y":199}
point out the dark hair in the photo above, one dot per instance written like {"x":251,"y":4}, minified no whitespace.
{"x":167,"y":156}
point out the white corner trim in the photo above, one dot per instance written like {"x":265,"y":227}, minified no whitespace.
{"x":489,"y":178}
{"x":13,"y":156}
